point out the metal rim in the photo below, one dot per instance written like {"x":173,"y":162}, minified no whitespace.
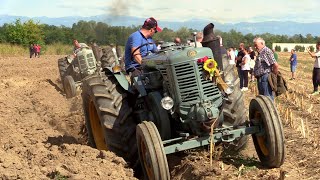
{"x":144,"y":153}
{"x":96,"y":127}
{"x":261,"y":139}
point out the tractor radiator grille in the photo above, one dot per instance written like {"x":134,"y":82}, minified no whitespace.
{"x":209,"y":89}
{"x":163,"y":71}
{"x":188,"y":86}
{"x":83,"y":64}
{"x":90,"y":60}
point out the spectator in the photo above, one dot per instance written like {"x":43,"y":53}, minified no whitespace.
{"x":231,"y":56}
{"x":293,"y":63}
{"x":31,"y":50}
{"x":139,"y":45}
{"x":235,"y":51}
{"x":222,"y":49}
{"x":199,"y":37}
{"x":36,"y":49}
{"x":177,"y":41}
{"x":252,"y":62}
{"x":245,"y":68}
{"x":265,"y":63}
{"x":239,"y":60}
{"x":275,"y":54}
{"x":316,"y":69}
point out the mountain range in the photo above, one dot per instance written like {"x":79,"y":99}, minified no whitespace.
{"x":273,"y":27}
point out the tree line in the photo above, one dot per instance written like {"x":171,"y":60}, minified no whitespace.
{"x":29,"y":32}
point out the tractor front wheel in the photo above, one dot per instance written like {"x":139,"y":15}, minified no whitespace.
{"x":151,"y":152}
{"x":269,"y":143}
{"x":69,"y":87}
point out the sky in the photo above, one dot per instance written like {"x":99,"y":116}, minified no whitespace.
{"x":223,"y":11}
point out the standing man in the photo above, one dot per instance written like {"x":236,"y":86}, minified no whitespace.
{"x":275,"y":54}
{"x":199,"y":37}
{"x":293,"y":63}
{"x":31,"y":50}
{"x":265,"y":64}
{"x":139,"y":45}
{"x":238,"y":63}
{"x":252,"y":62}
{"x":316,"y":69}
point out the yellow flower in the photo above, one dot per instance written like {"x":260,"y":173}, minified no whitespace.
{"x":210,"y":66}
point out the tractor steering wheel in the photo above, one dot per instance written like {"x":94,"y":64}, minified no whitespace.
{"x":139,"y":48}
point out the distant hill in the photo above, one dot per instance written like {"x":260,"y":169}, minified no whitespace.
{"x":273,"y":27}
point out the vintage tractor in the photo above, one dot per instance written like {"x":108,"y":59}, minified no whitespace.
{"x":88,"y":61}
{"x":74,"y":69}
{"x":173,"y":106}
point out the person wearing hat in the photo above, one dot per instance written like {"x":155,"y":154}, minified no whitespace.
{"x":213,"y":42}
{"x":139,"y":44}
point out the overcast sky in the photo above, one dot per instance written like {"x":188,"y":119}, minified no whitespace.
{"x":224,"y":11}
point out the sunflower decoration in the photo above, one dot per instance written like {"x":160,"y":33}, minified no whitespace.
{"x":210,"y":65}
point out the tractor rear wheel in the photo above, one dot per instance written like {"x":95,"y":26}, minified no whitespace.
{"x":108,"y":58}
{"x":108,"y":117}
{"x":234,"y":110}
{"x":69,"y":86}
{"x":151,"y":152}
{"x":269,"y":143}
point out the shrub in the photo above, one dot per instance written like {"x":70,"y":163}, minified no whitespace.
{"x":277,"y":48}
{"x":311,"y":48}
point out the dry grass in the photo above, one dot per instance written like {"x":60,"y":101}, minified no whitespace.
{"x":8,"y":50}
{"x":13,"y":50}
{"x":305,"y":62}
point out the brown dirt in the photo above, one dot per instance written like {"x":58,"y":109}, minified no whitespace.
{"x":42,"y":134}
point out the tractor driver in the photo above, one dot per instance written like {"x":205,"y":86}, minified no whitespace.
{"x":139,"y":44}
{"x":77,"y":47}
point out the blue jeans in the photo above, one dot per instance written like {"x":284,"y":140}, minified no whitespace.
{"x":264,"y":86}
{"x":293,"y":68}
{"x":240,"y":76}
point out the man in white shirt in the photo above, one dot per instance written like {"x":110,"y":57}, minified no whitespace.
{"x":316,"y":69}
{"x":199,"y":37}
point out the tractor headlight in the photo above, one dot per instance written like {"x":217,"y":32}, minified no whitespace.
{"x":230,"y":88}
{"x":167,"y":103}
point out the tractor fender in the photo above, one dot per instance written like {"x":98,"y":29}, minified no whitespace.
{"x":121,"y":78}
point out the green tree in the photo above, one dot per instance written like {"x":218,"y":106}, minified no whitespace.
{"x":23,"y":33}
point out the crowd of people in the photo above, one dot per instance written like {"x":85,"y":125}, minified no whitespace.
{"x":34,"y":50}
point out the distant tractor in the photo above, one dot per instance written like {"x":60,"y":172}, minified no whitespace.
{"x":88,"y":61}
{"x":175,"y":105}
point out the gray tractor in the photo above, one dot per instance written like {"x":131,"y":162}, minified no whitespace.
{"x":88,"y":61}
{"x":73,"y":69}
{"x":173,"y":106}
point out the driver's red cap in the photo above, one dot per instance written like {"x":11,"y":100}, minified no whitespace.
{"x":151,"y":23}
